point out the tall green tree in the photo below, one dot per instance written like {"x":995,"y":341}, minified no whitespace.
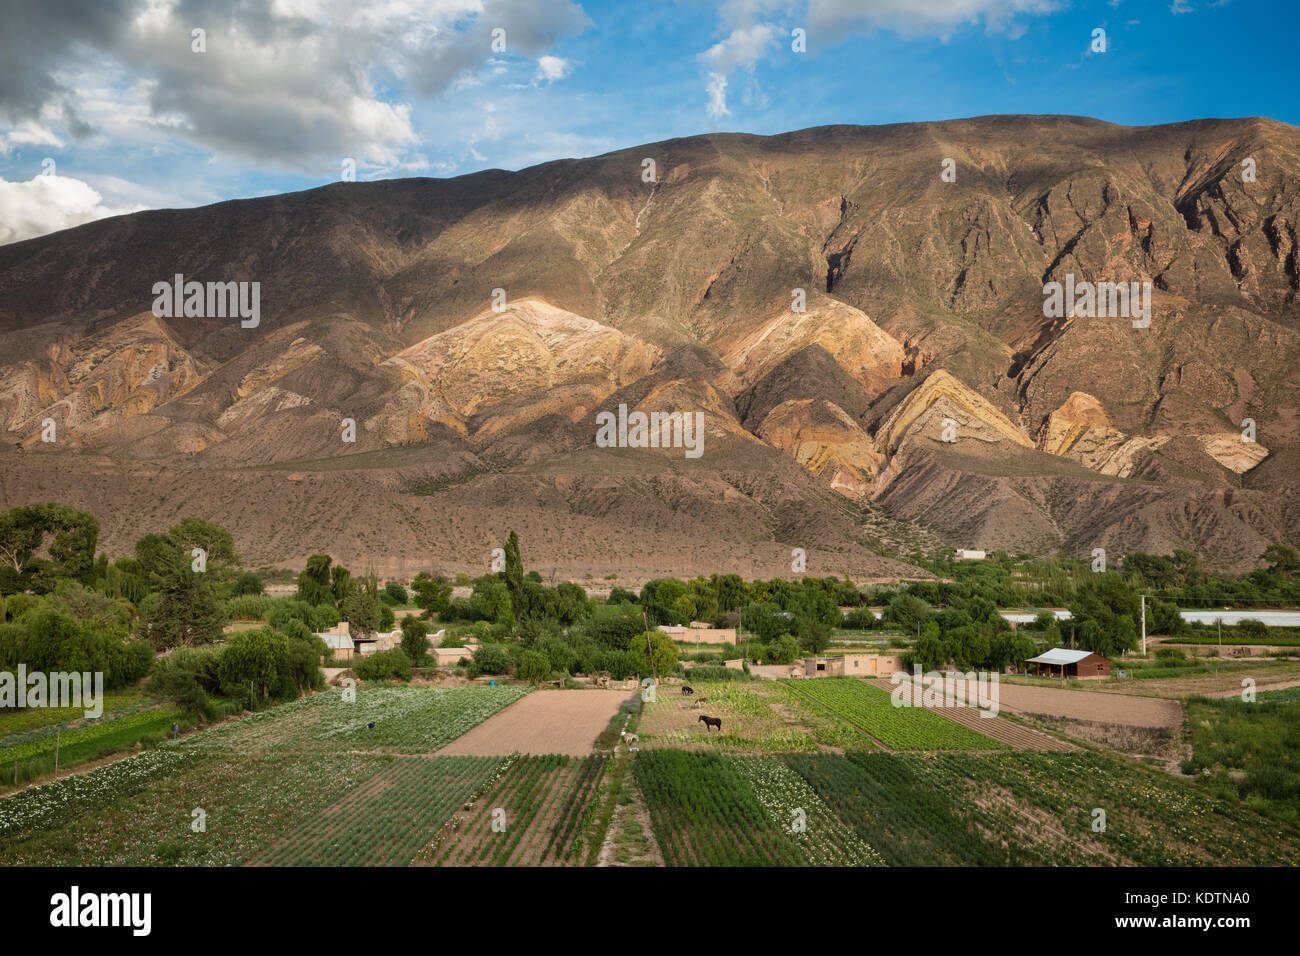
{"x":514,"y":576}
{"x":361,"y":606}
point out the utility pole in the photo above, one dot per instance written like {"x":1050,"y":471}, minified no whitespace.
{"x":1144,"y":625}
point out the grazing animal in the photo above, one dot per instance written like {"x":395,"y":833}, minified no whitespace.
{"x":686,"y":689}
{"x":629,"y":737}
{"x":701,"y":700}
{"x":710,"y":722}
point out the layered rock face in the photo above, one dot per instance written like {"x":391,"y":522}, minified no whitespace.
{"x":866,"y":342}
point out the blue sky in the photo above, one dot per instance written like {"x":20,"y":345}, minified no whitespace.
{"x":134,"y":117}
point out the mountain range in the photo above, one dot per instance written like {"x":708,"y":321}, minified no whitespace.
{"x":858,"y":312}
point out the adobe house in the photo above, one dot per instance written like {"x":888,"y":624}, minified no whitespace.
{"x":1059,"y":662}
{"x":870,"y":664}
{"x":822,"y":666}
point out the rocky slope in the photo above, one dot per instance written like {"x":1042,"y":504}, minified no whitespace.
{"x":865,"y":341}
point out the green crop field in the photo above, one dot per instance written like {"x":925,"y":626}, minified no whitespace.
{"x":964,"y":809}
{"x":898,"y":728}
{"x":270,"y":783}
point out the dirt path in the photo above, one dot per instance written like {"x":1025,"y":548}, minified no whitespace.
{"x":1080,"y":705}
{"x":1259,"y":686}
{"x":544,"y":722}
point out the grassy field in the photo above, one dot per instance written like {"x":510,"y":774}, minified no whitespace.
{"x":758,"y":717}
{"x":1249,"y":752}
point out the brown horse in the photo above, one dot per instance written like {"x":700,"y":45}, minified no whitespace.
{"x":710,"y":722}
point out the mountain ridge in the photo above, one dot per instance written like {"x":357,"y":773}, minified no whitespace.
{"x":678,"y":293}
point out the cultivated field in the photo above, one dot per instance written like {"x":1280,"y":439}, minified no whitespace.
{"x":944,"y":809}
{"x":897,"y":728}
{"x":822,"y":772}
{"x":546,"y":722}
{"x":539,"y":805}
{"x":758,"y":717}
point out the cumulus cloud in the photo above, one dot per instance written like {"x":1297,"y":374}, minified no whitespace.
{"x":298,"y":83}
{"x":552,"y":68}
{"x":48,"y":204}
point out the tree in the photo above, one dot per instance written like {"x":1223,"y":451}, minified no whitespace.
{"x":433,"y":595}
{"x":220,"y":559}
{"x":533,"y":667}
{"x":1281,"y":560}
{"x":252,"y":656}
{"x":249,"y":583}
{"x":386,"y":665}
{"x":65,"y":533}
{"x":491,"y":659}
{"x":659,"y":598}
{"x":315,"y":581}
{"x":1104,"y":613}
{"x":490,"y":600}
{"x":908,"y":612}
{"x":361,"y":606}
{"x":766,"y":620}
{"x":187,"y":610}
{"x":340,"y":584}
{"x":514,"y":574}
{"x":659,"y":658}
{"x":415,"y":638}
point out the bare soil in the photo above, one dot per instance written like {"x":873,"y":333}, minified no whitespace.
{"x":544,"y":722}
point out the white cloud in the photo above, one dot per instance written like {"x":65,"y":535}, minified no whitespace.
{"x":743,"y":47}
{"x":294,"y":83}
{"x":717,"y":107}
{"x":552,"y":68}
{"x":28,"y":133}
{"x":47,"y":204}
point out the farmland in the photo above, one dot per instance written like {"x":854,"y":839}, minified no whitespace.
{"x":311,"y":779}
{"x":539,"y":803}
{"x":936,"y":809}
{"x":29,"y":738}
{"x":806,"y":773}
{"x":898,"y":728}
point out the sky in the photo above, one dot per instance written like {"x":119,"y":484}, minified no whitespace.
{"x":113,"y":106}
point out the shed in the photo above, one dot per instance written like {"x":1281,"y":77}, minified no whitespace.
{"x":340,"y":645}
{"x":1059,"y":662}
{"x":823,"y":666}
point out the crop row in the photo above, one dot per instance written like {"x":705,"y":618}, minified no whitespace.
{"x":388,"y":818}
{"x":530,"y":817}
{"x":398,"y":719}
{"x":704,"y":813}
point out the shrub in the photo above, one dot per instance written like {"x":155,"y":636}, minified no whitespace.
{"x":491,"y":659}
{"x":1252,"y":628}
{"x":248,"y":584}
{"x":533,"y":667}
{"x":395,"y":593}
{"x":249,"y":607}
{"x":386,"y":665}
